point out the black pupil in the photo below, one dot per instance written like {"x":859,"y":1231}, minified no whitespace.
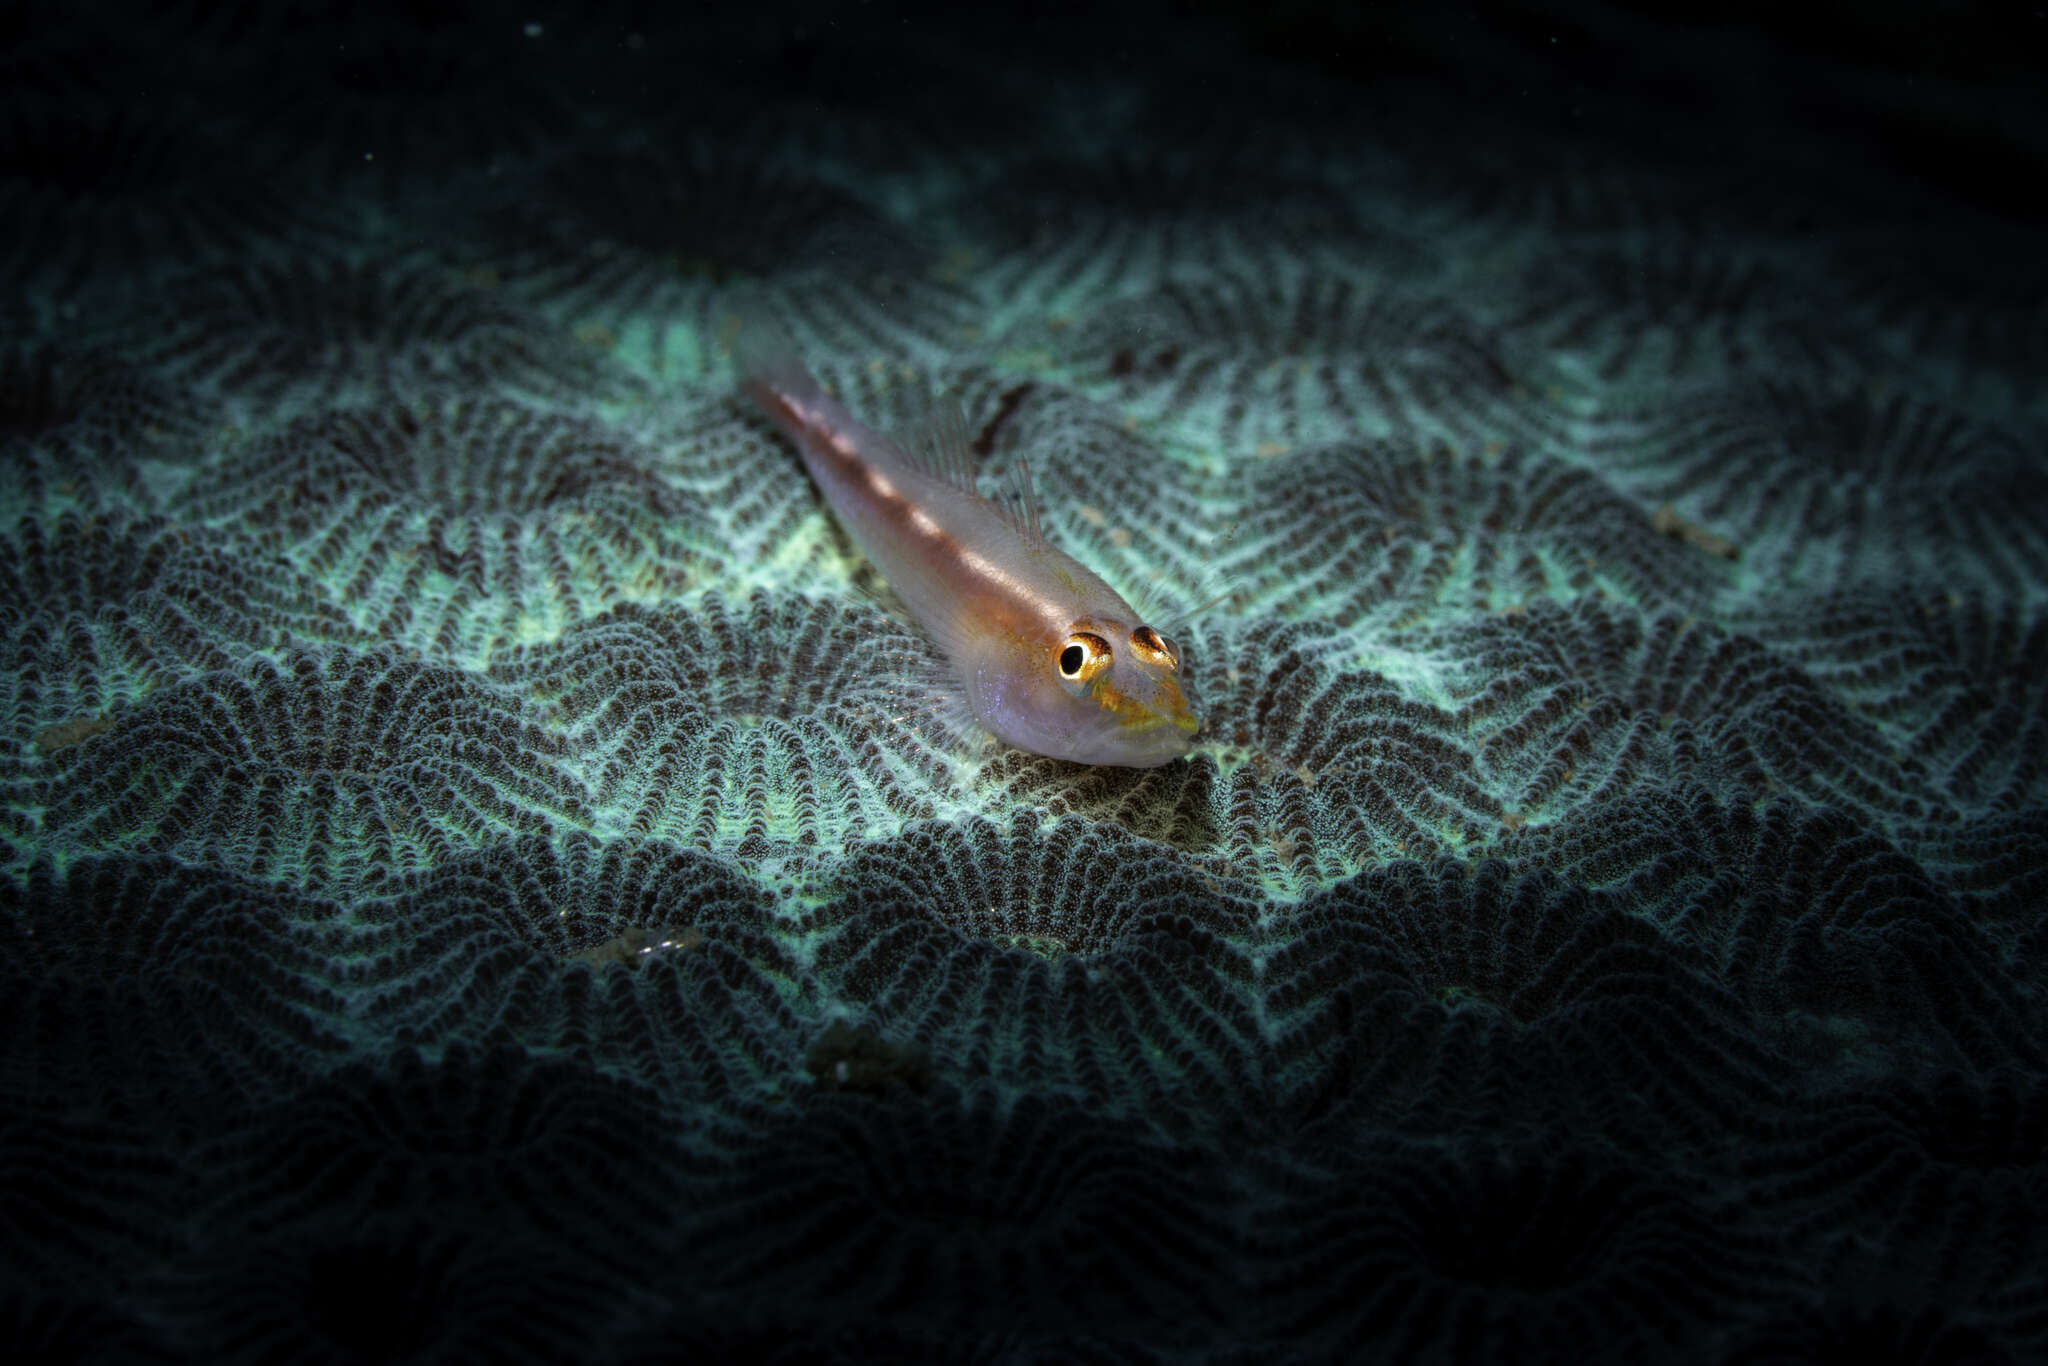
{"x":1070,"y":660}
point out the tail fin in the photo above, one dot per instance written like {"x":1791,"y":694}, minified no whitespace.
{"x":763,"y":356}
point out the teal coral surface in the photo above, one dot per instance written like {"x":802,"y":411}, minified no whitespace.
{"x":482,"y":883}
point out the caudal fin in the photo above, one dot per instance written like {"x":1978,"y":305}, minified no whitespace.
{"x":763,"y":356}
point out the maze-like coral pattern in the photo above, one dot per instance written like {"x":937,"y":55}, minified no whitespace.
{"x":478,"y":835}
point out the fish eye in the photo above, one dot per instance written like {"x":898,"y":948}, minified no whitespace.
{"x":1154,"y":648}
{"x":1082,"y":658}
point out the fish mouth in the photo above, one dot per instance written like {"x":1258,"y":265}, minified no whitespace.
{"x":1137,"y":718}
{"x":1180,"y":718}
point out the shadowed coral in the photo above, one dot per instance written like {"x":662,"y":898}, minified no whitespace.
{"x":1065,"y":231}
{"x":102,"y":613}
{"x":1814,"y":920}
{"x":85,"y":414}
{"x":1994,"y":868}
{"x":1270,"y":365}
{"x":1869,"y":1325}
{"x":1500,"y":1250}
{"x":1042,"y":971}
{"x":84,"y":1197}
{"x":96,"y":189}
{"x":1945,"y":1176}
{"x":490,"y":1136}
{"x":1524,"y":184}
{"x":1072,"y":884}
{"x":1966,"y":304}
{"x":1599,"y":698}
{"x":636,"y":242}
{"x":411,"y":1207}
{"x":76,"y":1325}
{"x":1328,"y":767}
{"x":443,"y":1283}
{"x":1959,"y":679}
{"x":1450,"y":999}
{"x":1398,"y":536}
{"x":768,"y":724}
{"x":140,"y":981}
{"x":1829,"y":485}
{"x":463,"y":527}
{"x":257,"y":768}
{"x":1680,"y":311}
{"x":143,"y":1003}
{"x":739,"y":1327}
{"x":1034,"y":1219}
{"x":325,"y":332}
{"x":477,"y":948}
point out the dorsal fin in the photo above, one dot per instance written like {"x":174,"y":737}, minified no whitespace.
{"x":1018,"y":499}
{"x":938,"y":443}
{"x":941,"y":447}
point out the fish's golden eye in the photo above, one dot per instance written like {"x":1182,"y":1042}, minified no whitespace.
{"x":1082,"y":658}
{"x":1154,"y":648}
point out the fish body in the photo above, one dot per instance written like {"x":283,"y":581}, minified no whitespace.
{"x":1047,"y":656}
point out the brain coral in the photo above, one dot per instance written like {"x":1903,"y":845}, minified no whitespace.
{"x":488,"y":877}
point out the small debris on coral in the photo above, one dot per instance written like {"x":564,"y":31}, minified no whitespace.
{"x":1666,"y":521}
{"x":638,"y":942}
{"x":849,"y":1057}
{"x":62,"y":735}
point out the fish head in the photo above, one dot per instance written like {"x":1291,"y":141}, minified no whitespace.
{"x":1106,"y":691}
